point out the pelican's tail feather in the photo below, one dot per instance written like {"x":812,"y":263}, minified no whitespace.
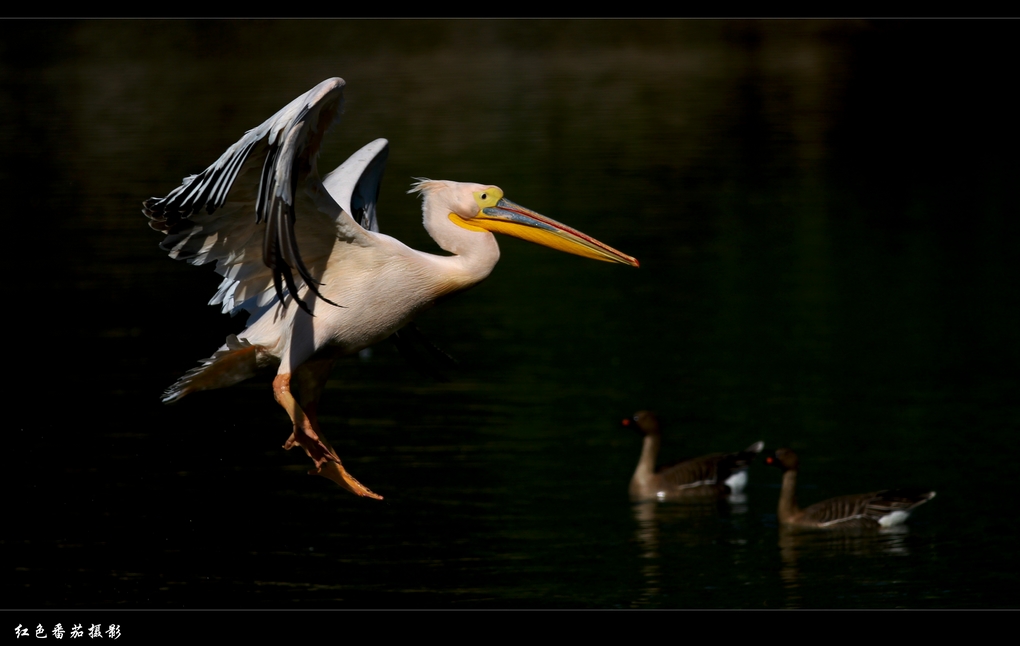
{"x":234,"y":362}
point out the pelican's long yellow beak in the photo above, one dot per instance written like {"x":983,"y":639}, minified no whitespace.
{"x":500,"y":215}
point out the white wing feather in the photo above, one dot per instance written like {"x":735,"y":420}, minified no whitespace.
{"x":261,"y":212}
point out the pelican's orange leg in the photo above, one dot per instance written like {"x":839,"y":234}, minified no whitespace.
{"x":305,"y":431}
{"x":308,"y":381}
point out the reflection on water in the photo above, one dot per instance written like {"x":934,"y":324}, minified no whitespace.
{"x":799,"y":543}
{"x":647,"y":535}
{"x":687,"y":524}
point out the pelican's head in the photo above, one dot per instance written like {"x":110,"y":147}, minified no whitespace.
{"x":477,"y":207}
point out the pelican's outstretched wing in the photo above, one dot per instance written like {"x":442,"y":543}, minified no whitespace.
{"x":242,"y":212}
{"x":355,"y":183}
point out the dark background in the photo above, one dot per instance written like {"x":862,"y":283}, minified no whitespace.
{"x":825,"y":216}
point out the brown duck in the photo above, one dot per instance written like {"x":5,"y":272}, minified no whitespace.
{"x":717,"y":474}
{"x":878,"y":509}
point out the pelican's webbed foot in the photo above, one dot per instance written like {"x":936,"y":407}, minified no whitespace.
{"x":338,"y":474}
{"x":314,"y":446}
{"x":327,"y":463}
{"x":306,"y":435}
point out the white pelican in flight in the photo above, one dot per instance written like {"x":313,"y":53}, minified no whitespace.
{"x":303,"y":256}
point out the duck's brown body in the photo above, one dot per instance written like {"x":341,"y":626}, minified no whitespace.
{"x":717,"y":474}
{"x":874,"y":510}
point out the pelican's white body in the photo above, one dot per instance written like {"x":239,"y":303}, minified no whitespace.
{"x":304,"y":256}
{"x":380,"y":287}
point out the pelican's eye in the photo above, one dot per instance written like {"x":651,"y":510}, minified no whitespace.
{"x":489,"y":197}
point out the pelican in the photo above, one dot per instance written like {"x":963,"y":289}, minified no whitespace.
{"x":303,"y":256}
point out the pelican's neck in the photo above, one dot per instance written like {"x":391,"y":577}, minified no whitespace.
{"x":475,"y":251}
{"x":788,"y":508}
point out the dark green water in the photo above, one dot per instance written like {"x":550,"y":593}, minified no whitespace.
{"x":825,"y":218}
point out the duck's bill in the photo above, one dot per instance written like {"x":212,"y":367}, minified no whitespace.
{"x":515,"y":220}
